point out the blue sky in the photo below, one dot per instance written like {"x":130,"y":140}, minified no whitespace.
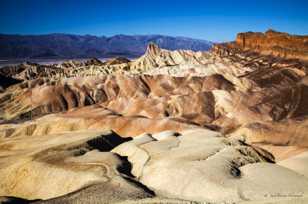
{"x":217,"y":20}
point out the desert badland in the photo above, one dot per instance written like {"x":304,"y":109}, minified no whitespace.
{"x":172,"y":126}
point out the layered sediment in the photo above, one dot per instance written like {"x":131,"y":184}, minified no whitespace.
{"x":223,"y":126}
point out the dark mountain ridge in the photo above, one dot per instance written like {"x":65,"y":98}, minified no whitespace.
{"x":81,"y":46}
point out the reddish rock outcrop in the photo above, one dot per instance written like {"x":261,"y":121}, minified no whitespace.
{"x":275,"y":43}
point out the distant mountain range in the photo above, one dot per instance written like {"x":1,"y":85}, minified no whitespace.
{"x":83,"y":46}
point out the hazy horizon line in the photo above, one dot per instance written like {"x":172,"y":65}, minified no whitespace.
{"x":107,"y":36}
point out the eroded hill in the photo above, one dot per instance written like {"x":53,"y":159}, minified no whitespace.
{"x":194,"y":120}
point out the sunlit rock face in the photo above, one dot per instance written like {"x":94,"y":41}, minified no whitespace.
{"x":186,"y":126}
{"x":275,"y":43}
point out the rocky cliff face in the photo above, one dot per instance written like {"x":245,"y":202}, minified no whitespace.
{"x":275,"y":43}
{"x":198,"y":126}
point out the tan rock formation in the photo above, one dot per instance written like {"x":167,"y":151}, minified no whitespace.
{"x":51,"y":165}
{"x":201,"y":164}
